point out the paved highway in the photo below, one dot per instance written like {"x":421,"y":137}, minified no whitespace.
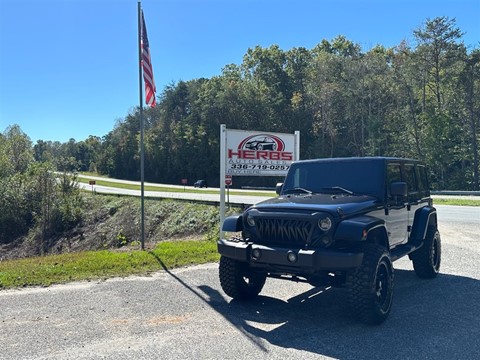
{"x":199,"y":195}
{"x":183,"y":314}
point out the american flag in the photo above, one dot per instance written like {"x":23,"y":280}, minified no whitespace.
{"x":147,"y":67}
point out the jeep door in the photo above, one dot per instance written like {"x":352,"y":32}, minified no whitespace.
{"x":396,"y":211}
{"x":414,"y":193}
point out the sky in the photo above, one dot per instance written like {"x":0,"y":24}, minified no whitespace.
{"x":69,"y":68}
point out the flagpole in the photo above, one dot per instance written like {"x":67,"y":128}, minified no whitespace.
{"x":142,"y":160}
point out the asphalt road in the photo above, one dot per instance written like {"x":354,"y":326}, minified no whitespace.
{"x":183,"y":314}
{"x":201,"y":194}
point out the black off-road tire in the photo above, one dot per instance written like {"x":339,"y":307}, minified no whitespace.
{"x":427,"y":259}
{"x":370,"y":286}
{"x":238,"y":281}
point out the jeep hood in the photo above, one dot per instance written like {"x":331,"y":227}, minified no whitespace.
{"x":347,"y":204}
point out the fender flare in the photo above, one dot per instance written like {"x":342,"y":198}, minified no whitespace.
{"x":233,"y":223}
{"x":357,"y":229}
{"x":424,"y":217}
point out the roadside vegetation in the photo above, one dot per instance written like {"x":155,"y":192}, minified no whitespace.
{"x":52,"y":232}
{"x":456,"y":202}
{"x":105,"y":242}
{"x":108,"y":222}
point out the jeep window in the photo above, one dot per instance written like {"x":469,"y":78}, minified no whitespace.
{"x":359,"y":177}
{"x":422,"y":180}
{"x":394,"y":174}
{"x":410,"y":178}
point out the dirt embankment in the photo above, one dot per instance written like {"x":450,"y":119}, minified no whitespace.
{"x":111,"y":222}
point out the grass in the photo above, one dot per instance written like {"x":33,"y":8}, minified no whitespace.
{"x":170,"y":189}
{"x":457,"y":202}
{"x":94,"y":265}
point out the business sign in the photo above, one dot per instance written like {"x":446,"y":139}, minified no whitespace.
{"x":253,"y":153}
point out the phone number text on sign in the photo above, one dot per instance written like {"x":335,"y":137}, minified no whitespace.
{"x":257,"y":169}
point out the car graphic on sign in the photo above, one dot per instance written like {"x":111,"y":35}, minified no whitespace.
{"x":263,"y":143}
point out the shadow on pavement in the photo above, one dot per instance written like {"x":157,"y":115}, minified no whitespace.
{"x":430,"y":319}
{"x":435,"y":319}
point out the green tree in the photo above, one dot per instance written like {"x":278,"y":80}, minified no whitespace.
{"x":471,"y":84}
{"x":16,"y":151}
{"x":441,"y":62}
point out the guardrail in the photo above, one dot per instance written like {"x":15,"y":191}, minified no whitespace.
{"x":456,"y":192}
{"x":267,"y":188}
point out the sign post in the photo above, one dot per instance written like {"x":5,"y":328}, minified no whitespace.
{"x":184,"y":182}
{"x":223,"y":144}
{"x":92,"y":183}
{"x":228,"y":182}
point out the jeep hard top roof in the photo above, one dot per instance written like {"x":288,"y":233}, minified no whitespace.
{"x":361,"y":175}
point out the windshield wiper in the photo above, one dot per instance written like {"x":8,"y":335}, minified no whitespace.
{"x":339,"y":189}
{"x":297,"y":190}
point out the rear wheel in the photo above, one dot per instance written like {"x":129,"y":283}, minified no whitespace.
{"x":238,"y":280}
{"x":426,"y":260}
{"x":370,"y":286}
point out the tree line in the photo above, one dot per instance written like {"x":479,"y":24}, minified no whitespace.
{"x":419,"y":100}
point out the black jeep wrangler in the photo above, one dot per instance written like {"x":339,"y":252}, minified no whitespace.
{"x":337,"y":222}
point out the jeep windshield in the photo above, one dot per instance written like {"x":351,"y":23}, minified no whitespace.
{"x":336,"y":176}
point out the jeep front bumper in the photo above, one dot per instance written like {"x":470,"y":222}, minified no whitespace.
{"x":310,"y":261}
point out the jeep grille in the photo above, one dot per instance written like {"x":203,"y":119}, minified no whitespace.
{"x":284,"y":231}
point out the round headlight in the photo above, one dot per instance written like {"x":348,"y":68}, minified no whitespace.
{"x":325,"y":223}
{"x":250,"y":220}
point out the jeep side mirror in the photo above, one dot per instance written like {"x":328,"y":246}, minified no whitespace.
{"x":398,"y":189}
{"x":278,"y":188}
